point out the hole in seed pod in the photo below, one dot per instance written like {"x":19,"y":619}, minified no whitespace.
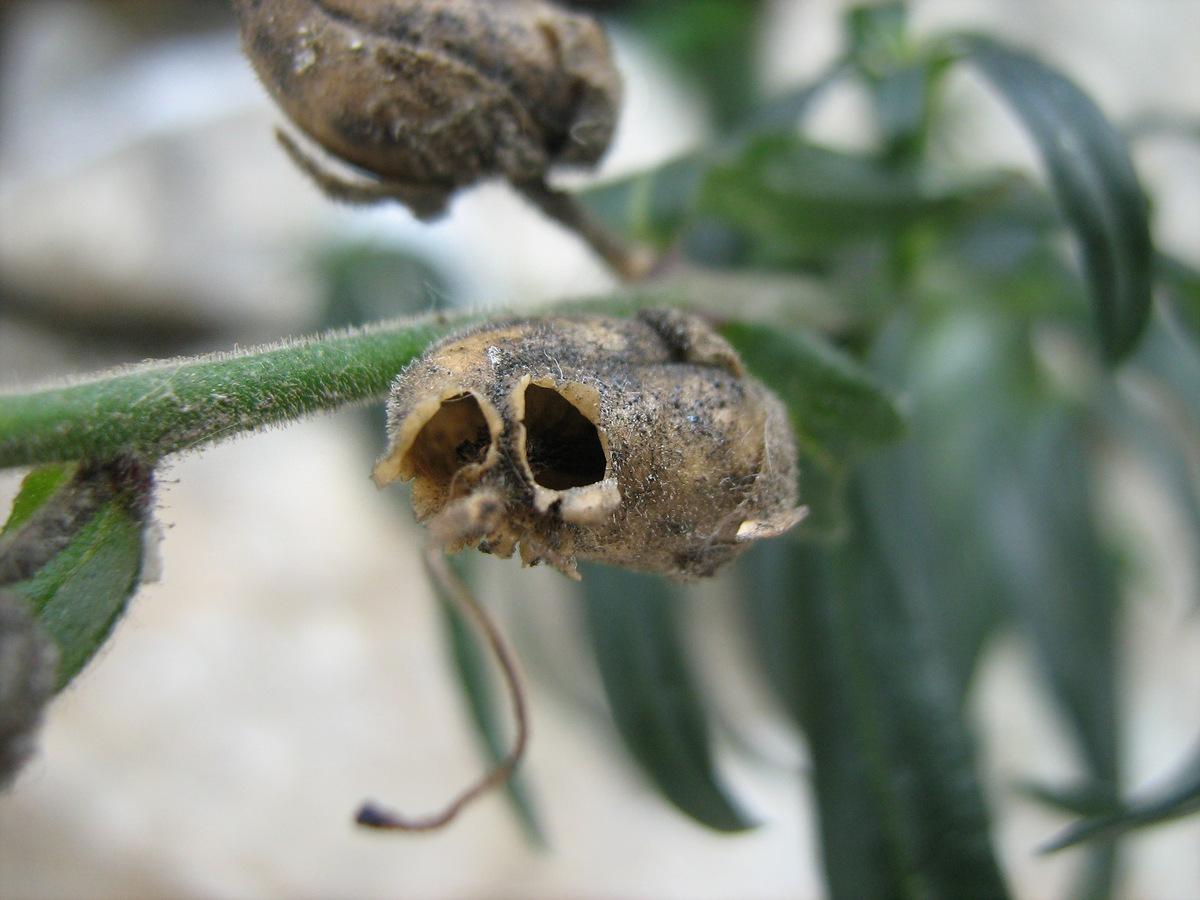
{"x":455,"y":436}
{"x":562,"y":445}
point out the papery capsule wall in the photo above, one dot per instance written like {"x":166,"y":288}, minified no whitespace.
{"x":427,"y":96}
{"x":637,"y":442}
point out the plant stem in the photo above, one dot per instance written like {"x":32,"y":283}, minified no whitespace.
{"x":164,"y":407}
{"x":631,"y":263}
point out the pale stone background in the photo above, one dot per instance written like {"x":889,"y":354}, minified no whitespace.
{"x":290,"y":664}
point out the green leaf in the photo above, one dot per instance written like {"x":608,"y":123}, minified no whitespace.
{"x":795,"y":204}
{"x":1062,"y":577}
{"x":1173,"y":359}
{"x":836,"y":407}
{"x":1062,"y":582}
{"x":803,"y":649}
{"x":968,"y":379}
{"x":856,"y":663}
{"x":788,"y":110}
{"x":939,"y":546}
{"x":651,"y":206}
{"x":1150,"y":420}
{"x":367,"y":281}
{"x":36,"y":489}
{"x":1094,"y":180}
{"x":900,"y":78}
{"x":877,"y":34}
{"x":1179,"y":283}
{"x":75,"y":552}
{"x":823,"y":484}
{"x":1170,"y":362}
{"x":987,"y":513}
{"x":928,"y":533}
{"x":470,"y":663}
{"x":711,"y":42}
{"x":632,"y":621}
{"x":1004,"y":477}
{"x":1007,"y":257}
{"x":1179,"y":797}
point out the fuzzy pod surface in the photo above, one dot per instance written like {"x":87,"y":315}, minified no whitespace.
{"x":426,"y":96}
{"x":637,"y":442}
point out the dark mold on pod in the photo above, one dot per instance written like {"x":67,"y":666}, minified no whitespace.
{"x":423,"y":97}
{"x":637,"y":442}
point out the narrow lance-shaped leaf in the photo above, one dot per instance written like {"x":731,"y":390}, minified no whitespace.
{"x":901,"y":811}
{"x":900,"y":79}
{"x":1094,"y":180}
{"x":835,"y":405}
{"x":650,"y":206}
{"x":75,"y":552}
{"x":1057,"y":570}
{"x":1062,"y":582}
{"x":933,"y":546}
{"x":1180,"y":285}
{"x":987,"y":512}
{"x":1172,"y":360}
{"x":1178,"y":798}
{"x":793,"y":203}
{"x":632,"y":621}
{"x":797,"y":205}
{"x":1159,"y":427}
{"x":658,"y":205}
{"x":792,"y":607}
{"x":838,"y":411}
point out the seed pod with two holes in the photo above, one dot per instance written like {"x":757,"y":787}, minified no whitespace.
{"x":426,"y":96}
{"x":637,"y":442}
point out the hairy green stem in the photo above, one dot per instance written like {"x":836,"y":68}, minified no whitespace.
{"x":164,"y":407}
{"x":159,"y":408}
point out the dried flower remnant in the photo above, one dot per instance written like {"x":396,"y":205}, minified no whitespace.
{"x":636,"y":442}
{"x":423,"y":97}
{"x":28,"y":662}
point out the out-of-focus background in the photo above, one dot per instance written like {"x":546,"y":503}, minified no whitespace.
{"x":290,"y":661}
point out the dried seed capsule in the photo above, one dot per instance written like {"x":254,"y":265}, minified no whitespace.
{"x":430,"y":95}
{"x":638,"y":442}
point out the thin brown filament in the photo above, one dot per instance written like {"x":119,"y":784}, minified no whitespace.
{"x":373,"y":816}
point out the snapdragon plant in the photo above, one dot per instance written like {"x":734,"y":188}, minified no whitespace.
{"x":949,"y":465}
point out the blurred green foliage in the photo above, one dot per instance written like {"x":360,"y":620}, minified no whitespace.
{"x":982,"y":513}
{"x":952,"y":377}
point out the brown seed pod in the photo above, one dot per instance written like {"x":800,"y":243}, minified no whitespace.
{"x":427,"y":96}
{"x":637,"y":442}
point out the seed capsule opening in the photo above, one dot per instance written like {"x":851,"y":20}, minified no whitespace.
{"x":562,"y":445}
{"x":455,"y":436}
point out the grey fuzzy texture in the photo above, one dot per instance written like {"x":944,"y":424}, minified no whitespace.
{"x":28,"y":662}
{"x":698,"y":458}
{"x":423,"y":97}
